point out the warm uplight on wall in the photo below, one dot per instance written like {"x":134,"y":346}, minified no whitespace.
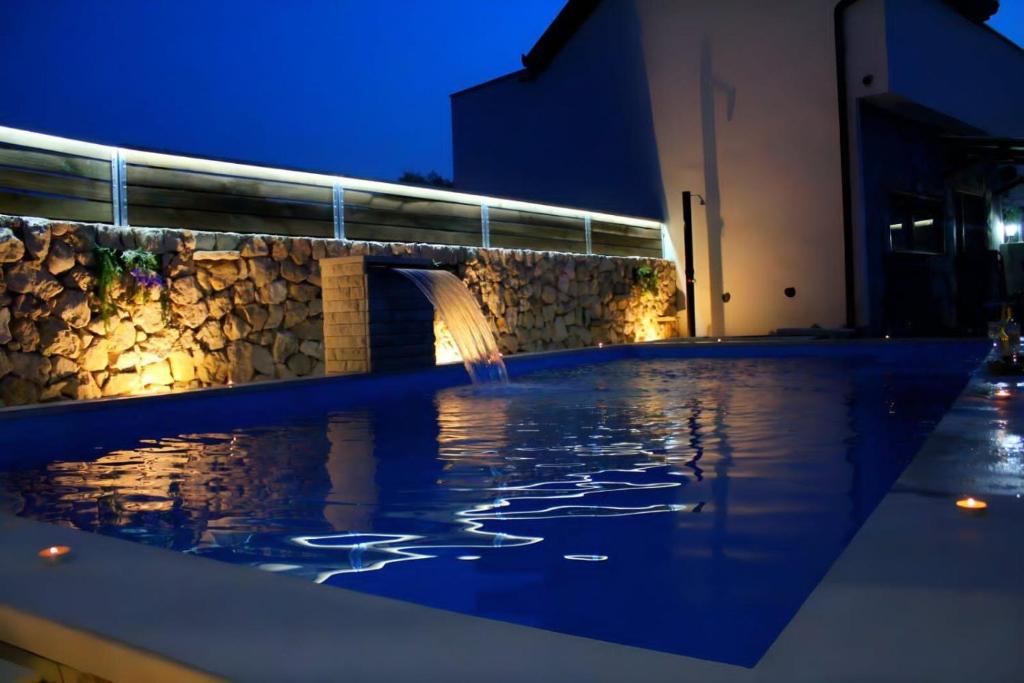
{"x":445,"y":350}
{"x":649,"y":330}
{"x":445,"y":354}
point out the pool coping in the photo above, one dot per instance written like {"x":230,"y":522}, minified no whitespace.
{"x":944,"y":585}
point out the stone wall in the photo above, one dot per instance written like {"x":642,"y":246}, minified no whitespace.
{"x":241,"y":308}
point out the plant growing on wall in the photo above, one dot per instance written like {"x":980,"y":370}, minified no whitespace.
{"x":646,"y":279}
{"x":143,"y":269}
{"x":109,"y":271}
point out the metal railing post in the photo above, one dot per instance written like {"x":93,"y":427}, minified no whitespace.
{"x":587,"y":234}
{"x":485,"y":226}
{"x":119,"y":188}
{"x":338,"y":203}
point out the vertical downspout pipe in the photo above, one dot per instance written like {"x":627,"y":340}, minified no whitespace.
{"x":839,"y":23}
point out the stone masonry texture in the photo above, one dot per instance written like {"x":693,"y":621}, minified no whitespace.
{"x":246,"y":308}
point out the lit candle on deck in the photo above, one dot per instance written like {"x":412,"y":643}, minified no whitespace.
{"x":971,"y":504}
{"x":1002,"y":392}
{"x":55,"y":553}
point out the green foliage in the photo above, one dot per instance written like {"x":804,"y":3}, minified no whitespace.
{"x":143,"y":268}
{"x":109,"y":271}
{"x":646,"y":279}
{"x":140,"y":259}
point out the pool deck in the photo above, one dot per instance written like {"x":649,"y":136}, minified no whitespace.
{"x":923,"y":592}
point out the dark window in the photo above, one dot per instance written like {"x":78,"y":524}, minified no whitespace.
{"x":972,"y":222}
{"x":915,"y":224}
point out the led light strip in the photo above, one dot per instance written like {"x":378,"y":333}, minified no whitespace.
{"x":54,"y":143}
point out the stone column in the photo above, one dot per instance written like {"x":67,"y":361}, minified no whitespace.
{"x":346,"y":319}
{"x":374,"y":318}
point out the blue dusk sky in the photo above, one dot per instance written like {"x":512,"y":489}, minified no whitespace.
{"x":358,"y":87}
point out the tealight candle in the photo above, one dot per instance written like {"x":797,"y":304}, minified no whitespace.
{"x":55,"y":553}
{"x":1002,"y":392}
{"x":971,"y":504}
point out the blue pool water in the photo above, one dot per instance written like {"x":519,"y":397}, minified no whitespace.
{"x":688,"y":505}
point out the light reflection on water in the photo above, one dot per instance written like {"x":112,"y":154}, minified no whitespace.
{"x":714,"y":494}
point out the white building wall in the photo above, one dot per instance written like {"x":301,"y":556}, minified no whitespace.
{"x":745,"y":112}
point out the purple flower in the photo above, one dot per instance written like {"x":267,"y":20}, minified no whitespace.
{"x":147,"y":278}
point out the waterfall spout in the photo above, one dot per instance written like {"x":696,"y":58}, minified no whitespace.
{"x":463,"y":318}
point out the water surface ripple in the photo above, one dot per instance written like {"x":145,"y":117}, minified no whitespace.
{"x":688,"y":506}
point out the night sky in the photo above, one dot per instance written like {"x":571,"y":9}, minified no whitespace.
{"x":358,"y":87}
{"x":1010,"y":20}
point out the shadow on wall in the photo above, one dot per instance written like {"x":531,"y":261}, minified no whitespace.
{"x":709,"y":85}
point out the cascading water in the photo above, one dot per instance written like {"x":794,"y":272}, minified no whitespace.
{"x":463,"y":318}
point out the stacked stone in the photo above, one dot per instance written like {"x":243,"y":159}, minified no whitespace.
{"x":249,"y":308}
{"x":44,"y":311}
{"x":539,"y":301}
{"x":252,"y":312}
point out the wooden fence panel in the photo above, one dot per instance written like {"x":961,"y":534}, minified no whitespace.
{"x":512,"y":229}
{"x":616,"y":239}
{"x":160,"y":197}
{"x":66,"y":179}
{"x":393,"y":218}
{"x":54,"y":185}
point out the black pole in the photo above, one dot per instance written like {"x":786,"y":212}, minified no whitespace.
{"x":849,"y":272}
{"x":691,"y":313}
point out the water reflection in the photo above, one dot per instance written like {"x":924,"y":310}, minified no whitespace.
{"x":700,"y":500}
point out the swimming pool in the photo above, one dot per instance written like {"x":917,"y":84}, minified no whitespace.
{"x":679,"y":498}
